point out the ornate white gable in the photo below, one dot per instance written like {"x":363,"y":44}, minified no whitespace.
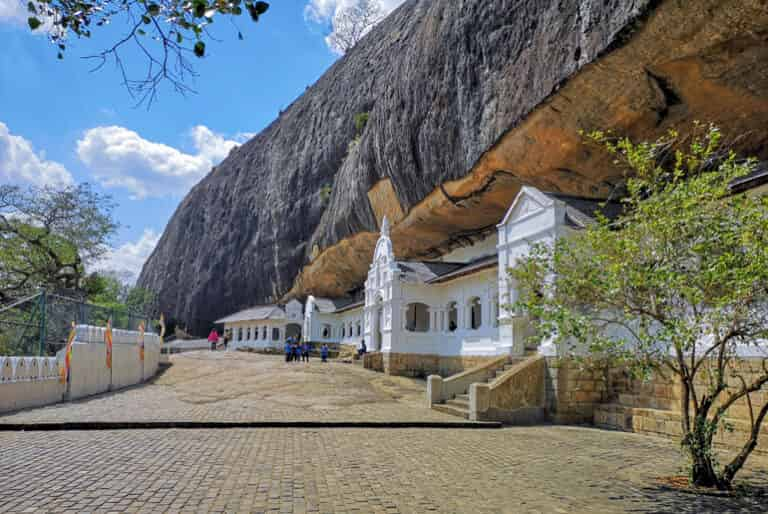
{"x":294,"y":310}
{"x":528,"y":201}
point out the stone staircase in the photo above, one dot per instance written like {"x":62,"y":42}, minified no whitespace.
{"x":459,"y":405}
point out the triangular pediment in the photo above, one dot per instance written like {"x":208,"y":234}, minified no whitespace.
{"x":528,"y":201}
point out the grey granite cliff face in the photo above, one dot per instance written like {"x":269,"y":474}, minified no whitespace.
{"x":443,"y":82}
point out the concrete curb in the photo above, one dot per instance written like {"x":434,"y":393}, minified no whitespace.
{"x":219,"y":425}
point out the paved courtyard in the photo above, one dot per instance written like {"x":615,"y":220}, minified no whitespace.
{"x":239,"y":386}
{"x":292,"y":470}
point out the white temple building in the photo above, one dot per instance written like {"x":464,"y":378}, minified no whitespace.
{"x":429,"y":316}
{"x":265,"y":326}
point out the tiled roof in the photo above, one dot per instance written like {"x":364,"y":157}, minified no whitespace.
{"x":581,"y":211}
{"x":474,"y":266}
{"x":255,"y":313}
{"x":330,"y":305}
{"x":420,"y":272}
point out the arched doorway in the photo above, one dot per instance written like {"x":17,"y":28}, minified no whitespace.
{"x":293,"y":330}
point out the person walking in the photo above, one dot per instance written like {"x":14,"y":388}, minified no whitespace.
{"x":324,"y":353}
{"x":288,"y":350}
{"x":226,"y":340}
{"x":213,"y":338}
{"x":295,"y":352}
{"x":305,"y":351}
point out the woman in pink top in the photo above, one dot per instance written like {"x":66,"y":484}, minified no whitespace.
{"x":213,"y":338}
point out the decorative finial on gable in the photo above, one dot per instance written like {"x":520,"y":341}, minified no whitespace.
{"x":385,"y":226}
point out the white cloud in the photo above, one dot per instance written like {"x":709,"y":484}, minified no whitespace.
{"x":325,"y":13}
{"x":121,"y":158}
{"x":126,"y":261}
{"x":20,"y":164}
{"x":13,"y":11}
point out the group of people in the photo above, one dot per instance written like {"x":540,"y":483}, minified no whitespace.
{"x":299,"y":352}
{"x":295,"y":352}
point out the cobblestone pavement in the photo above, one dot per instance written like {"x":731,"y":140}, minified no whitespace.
{"x":538,"y":469}
{"x":239,"y":386}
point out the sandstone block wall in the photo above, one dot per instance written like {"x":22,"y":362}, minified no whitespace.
{"x":571,"y":393}
{"x":422,"y":365}
{"x":652,"y":406}
{"x":518,"y":396}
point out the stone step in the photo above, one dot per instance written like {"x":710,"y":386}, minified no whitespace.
{"x":464,"y":397}
{"x":459,"y":402}
{"x":452,"y":410}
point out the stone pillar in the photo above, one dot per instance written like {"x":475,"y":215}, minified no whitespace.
{"x":479,"y":400}
{"x":434,"y":390}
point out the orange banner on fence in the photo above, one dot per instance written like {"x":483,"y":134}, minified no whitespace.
{"x":68,"y":355}
{"x":141,"y":341}
{"x":108,"y":342}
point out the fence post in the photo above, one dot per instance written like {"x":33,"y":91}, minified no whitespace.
{"x":43,"y":324}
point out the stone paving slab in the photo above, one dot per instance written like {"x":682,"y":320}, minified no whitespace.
{"x":238,"y":386}
{"x":520,"y":469}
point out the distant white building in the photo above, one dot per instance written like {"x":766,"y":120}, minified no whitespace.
{"x":264,"y":326}
{"x":334,"y":320}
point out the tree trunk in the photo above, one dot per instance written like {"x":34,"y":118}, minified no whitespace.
{"x":698,"y":442}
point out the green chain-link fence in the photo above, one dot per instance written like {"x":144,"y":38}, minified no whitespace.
{"x":39,"y":324}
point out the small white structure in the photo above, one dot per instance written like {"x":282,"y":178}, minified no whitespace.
{"x":264,"y":326}
{"x":334,"y":320}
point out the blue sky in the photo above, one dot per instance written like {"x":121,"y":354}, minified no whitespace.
{"x":59,"y":122}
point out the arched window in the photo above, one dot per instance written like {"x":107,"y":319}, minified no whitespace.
{"x":475,"y":313}
{"x":275,"y":334}
{"x":240,"y":334}
{"x":453,"y":317}
{"x":343,"y":331}
{"x":359,"y":328}
{"x":248,"y":334}
{"x":264,"y":332}
{"x":417,"y":317}
{"x":326,"y":331}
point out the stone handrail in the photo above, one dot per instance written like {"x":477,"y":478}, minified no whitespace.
{"x":517,"y":396}
{"x":440,"y":390}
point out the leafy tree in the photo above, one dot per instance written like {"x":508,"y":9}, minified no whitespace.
{"x":673,"y":285}
{"x":353,"y":22}
{"x":167,"y":33}
{"x":140,"y":300}
{"x":111,"y":298}
{"x":48,"y":235}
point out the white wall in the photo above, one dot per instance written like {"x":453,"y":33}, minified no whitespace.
{"x":34,"y":381}
{"x":29,"y":382}
{"x":439,"y":340}
{"x":257,"y":339}
{"x":315,"y":321}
